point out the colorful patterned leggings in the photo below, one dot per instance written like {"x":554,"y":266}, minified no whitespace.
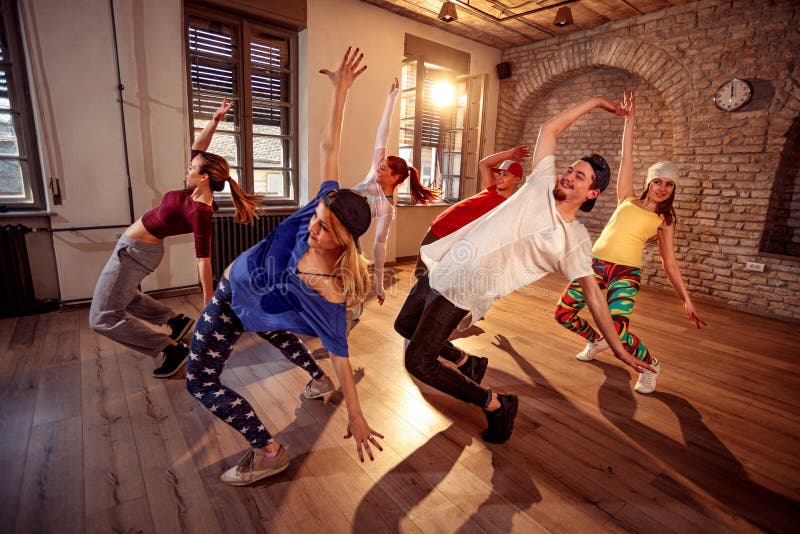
{"x":622,"y":285}
{"x":217,"y":331}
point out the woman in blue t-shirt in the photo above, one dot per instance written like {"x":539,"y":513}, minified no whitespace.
{"x":300,"y":278}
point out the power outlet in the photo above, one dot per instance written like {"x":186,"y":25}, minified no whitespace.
{"x":753,"y":266}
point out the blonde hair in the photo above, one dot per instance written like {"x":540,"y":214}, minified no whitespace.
{"x":351,"y":267}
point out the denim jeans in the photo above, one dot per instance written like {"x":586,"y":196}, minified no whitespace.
{"x":426,"y":320}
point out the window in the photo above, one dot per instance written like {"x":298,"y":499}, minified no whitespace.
{"x":255,"y":66}
{"x":21,"y":185}
{"x":440,"y":119}
{"x":782,"y":230}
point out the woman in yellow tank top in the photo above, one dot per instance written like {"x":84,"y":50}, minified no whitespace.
{"x":617,"y":256}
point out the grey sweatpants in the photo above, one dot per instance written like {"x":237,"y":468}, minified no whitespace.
{"x":117,"y":297}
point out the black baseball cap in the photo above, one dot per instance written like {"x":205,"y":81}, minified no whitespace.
{"x":602,"y":176}
{"x":352,"y":210}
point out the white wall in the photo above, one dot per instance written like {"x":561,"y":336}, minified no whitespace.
{"x":71,"y":51}
{"x":73,"y":70}
{"x":332,"y":26}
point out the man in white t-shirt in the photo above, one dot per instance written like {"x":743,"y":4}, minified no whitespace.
{"x":531,"y":234}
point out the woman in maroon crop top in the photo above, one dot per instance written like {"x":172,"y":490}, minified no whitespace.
{"x":118,"y":307}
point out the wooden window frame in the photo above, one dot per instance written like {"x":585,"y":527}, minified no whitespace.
{"x":21,"y":111}
{"x":242,"y":118}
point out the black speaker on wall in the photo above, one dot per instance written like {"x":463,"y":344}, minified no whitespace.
{"x":504,"y":70}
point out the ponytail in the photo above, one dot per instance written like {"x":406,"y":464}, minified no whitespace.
{"x":419,"y":193}
{"x":218,"y":171}
{"x":245,"y":203}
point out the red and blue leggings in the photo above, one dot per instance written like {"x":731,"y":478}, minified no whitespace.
{"x":622,"y":285}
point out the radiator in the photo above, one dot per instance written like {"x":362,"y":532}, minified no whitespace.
{"x":16,"y":285}
{"x":231,"y":238}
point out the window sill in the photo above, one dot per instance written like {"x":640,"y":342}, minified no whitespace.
{"x":439,"y":204}
{"x":16,"y":214}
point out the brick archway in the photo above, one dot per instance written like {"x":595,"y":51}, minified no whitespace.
{"x":649,"y":62}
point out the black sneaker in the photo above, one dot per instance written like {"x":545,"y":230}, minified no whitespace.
{"x":175,"y":357}
{"x":501,"y":421}
{"x":474,"y":368}
{"x":180,"y":325}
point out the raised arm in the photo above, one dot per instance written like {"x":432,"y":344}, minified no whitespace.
{"x":666,"y":250}
{"x":342,"y":79}
{"x":550,"y":130}
{"x":203,"y":139}
{"x":382,"y":223}
{"x":357,"y":426}
{"x":382,"y":135}
{"x":625,"y":176}
{"x":489,"y":162}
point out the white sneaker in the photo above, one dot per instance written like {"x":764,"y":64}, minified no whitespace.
{"x":315,"y":390}
{"x":647,"y":380}
{"x":254,"y":466}
{"x":591,"y":350}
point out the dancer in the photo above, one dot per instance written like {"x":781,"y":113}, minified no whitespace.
{"x":617,"y":256}
{"x":533,"y":233}
{"x":500,"y":175}
{"x":385,"y":176}
{"x":301,"y":278}
{"x":118,"y":304}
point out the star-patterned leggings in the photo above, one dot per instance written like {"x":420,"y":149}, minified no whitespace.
{"x":622,"y":285}
{"x":294,"y":350}
{"x":217,"y":331}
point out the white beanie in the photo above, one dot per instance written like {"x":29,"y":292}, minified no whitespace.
{"x":662,"y":169}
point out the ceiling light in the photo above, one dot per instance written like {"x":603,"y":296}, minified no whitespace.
{"x":563,"y":16}
{"x":448,"y":12}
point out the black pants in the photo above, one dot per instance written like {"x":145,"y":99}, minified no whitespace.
{"x":427,"y":319}
{"x":421,"y":269}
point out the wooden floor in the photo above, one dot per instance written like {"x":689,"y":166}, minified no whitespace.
{"x":90,"y":442}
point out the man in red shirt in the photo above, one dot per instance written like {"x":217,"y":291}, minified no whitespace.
{"x":500,"y":174}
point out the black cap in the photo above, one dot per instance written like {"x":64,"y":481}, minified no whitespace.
{"x":352,"y":210}
{"x":602,"y":176}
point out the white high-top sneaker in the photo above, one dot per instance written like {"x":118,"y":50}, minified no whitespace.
{"x":647,"y":380}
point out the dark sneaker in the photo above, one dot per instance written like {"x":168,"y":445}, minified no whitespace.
{"x":180,"y":325}
{"x":175,"y":357}
{"x":501,"y":421}
{"x":474,"y":368}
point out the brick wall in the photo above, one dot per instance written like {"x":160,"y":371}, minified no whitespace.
{"x":675,"y":59}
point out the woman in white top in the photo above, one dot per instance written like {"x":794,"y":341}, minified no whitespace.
{"x":386,"y":174}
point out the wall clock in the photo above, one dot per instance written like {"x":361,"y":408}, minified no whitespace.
{"x":733,"y":94}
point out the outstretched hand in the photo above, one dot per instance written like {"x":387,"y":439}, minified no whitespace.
{"x":612,"y":107}
{"x":628,"y":103}
{"x":359,"y":429}
{"x":638,"y":365}
{"x":395,"y":88}
{"x":693,"y":316}
{"x":520,"y":153}
{"x":222,"y":110}
{"x":348,"y":70}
